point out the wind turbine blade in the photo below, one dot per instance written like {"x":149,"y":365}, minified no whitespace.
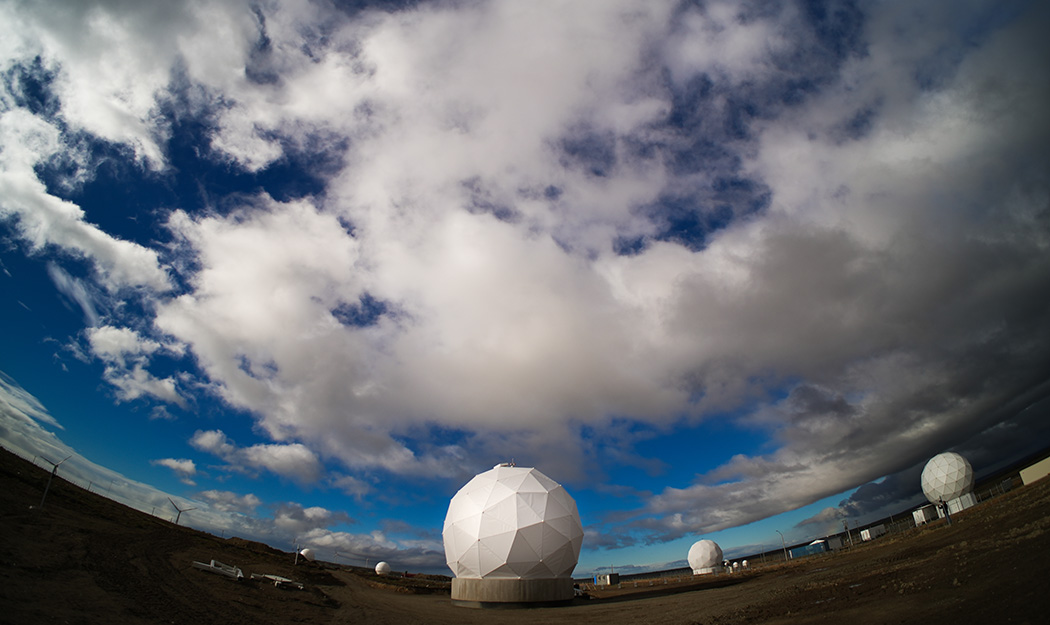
{"x":64,"y":459}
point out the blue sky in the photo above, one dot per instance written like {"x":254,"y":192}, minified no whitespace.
{"x":720,"y":269}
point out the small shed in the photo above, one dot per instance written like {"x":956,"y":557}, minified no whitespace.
{"x":925,"y":514}
{"x":872,"y":532}
{"x":812,"y":549}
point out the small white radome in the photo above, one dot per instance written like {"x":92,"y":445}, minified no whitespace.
{"x":705,"y":556}
{"x":946,"y":477}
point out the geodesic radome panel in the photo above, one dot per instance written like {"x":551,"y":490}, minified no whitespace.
{"x":512,"y":523}
{"x":946,"y":476}
{"x":704,"y":554}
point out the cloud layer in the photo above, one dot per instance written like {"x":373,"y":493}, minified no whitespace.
{"x":809,"y":221}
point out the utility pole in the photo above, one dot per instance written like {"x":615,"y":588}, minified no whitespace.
{"x":783,"y":544}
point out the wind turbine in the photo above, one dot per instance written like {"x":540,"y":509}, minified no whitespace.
{"x":53,"y":472}
{"x":181,"y":510}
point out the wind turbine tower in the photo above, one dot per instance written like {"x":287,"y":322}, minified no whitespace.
{"x":180,"y":510}
{"x":52,"y":476}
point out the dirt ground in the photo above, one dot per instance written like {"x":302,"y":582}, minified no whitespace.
{"x":85,"y":559}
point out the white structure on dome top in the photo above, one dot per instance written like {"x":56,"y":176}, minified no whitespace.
{"x":946,"y":477}
{"x":705,"y":556}
{"x":512,"y":534}
{"x":382,"y":569}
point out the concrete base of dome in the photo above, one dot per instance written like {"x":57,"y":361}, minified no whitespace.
{"x":708,"y":571}
{"x":507,"y":593}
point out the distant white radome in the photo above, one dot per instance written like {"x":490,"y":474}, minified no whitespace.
{"x":946,"y":477}
{"x":512,"y":523}
{"x":382,"y":569}
{"x":307,"y":553}
{"x":705,"y":556}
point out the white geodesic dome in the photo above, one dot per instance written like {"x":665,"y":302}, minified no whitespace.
{"x":705,"y":556}
{"x":512,"y":523}
{"x":946,"y":476}
{"x":382,"y":568}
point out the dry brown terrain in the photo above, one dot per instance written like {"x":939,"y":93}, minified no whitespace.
{"x":85,"y":559}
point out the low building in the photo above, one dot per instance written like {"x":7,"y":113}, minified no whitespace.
{"x":961,"y":503}
{"x":925,"y":514}
{"x":812,"y":549}
{"x":872,"y":532}
{"x":1035,"y":472}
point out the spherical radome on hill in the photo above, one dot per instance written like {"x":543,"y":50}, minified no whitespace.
{"x":382,"y":568}
{"x":512,"y":523}
{"x":705,"y":556}
{"x":307,"y":553}
{"x":946,"y":477}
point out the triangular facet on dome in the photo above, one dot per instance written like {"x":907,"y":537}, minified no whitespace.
{"x":567,"y":527}
{"x":506,"y":571}
{"x":513,"y":480}
{"x":499,"y":492}
{"x":468,"y":564}
{"x":506,"y":509}
{"x":561,"y":561}
{"x":530,"y":484}
{"x":539,"y":570}
{"x":533,"y":535}
{"x":500,"y":544}
{"x":488,"y":559}
{"x":522,"y":551}
{"x":471,"y":524}
{"x":454,"y":548}
{"x":546,"y":482}
{"x":478,"y":496}
{"x":493,"y":523}
{"x":556,"y":506}
{"x":531,"y":508}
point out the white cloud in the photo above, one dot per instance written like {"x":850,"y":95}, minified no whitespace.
{"x":76,"y":290}
{"x":184,"y":468}
{"x":43,"y":219}
{"x":19,"y":403}
{"x":212,"y":441}
{"x":352,"y":486}
{"x":126,"y":354}
{"x":298,"y":521}
{"x":720,"y":38}
{"x":367,"y":549}
{"x":497,"y":153}
{"x":117,"y":345}
{"x":292,"y":460}
{"x":227,"y":501}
